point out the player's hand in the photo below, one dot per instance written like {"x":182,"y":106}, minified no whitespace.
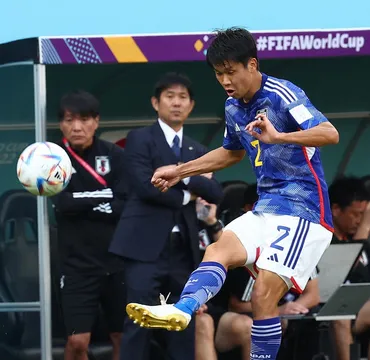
{"x":165,"y":177}
{"x":268,"y":134}
{"x":292,"y":308}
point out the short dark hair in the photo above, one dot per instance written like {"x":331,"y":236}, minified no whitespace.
{"x":344,"y":190}
{"x":80,"y":103}
{"x":250,"y":194}
{"x":170,"y":79}
{"x":233,"y":44}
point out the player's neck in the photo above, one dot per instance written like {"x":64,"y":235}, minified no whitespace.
{"x":256,"y":85}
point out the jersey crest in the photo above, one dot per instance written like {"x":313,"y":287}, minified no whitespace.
{"x":102,"y":165}
{"x":262,"y":112}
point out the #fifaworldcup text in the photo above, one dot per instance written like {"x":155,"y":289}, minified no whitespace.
{"x":309,"y":42}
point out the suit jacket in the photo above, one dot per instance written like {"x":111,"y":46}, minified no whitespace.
{"x":149,"y":215}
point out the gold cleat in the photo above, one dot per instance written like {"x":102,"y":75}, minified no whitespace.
{"x":158,"y":317}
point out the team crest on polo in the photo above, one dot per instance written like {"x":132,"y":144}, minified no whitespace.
{"x":102,"y":165}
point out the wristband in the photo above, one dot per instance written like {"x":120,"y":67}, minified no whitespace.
{"x":216,"y":227}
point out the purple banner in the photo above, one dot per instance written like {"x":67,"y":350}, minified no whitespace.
{"x":193,"y":47}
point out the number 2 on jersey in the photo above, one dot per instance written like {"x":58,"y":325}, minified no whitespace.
{"x":257,"y":161}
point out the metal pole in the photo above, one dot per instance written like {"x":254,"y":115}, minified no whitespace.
{"x":42,"y":220}
{"x":20,"y":306}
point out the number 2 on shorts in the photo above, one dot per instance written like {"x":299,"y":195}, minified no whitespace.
{"x":275,"y":243}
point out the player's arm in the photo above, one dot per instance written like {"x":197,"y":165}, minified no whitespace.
{"x":138,"y":155}
{"x":205,"y":186}
{"x":229,"y":154}
{"x":319,"y":135}
{"x":313,"y":128}
{"x":217,"y":159}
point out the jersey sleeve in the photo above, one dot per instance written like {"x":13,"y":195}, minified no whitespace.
{"x":304,"y":114}
{"x":231,"y":140}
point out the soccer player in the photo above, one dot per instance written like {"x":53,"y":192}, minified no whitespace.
{"x":284,"y":237}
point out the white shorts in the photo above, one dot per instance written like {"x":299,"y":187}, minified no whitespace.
{"x":286,"y":245}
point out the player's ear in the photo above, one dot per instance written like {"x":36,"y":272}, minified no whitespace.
{"x":335,"y":209}
{"x":252,"y":64}
{"x":155,"y":104}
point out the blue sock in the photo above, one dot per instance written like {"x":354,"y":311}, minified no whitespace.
{"x":204,"y":283}
{"x":266,"y":338}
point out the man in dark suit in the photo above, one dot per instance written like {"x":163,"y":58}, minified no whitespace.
{"x":158,"y":232}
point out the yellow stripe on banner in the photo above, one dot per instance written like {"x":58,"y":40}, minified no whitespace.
{"x":125,"y":49}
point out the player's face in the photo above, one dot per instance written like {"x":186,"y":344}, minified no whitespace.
{"x":79,"y":131}
{"x":173,"y":106}
{"x":347,"y":220}
{"x":238,"y":80}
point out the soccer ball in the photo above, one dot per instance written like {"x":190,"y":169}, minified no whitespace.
{"x":44,"y":168}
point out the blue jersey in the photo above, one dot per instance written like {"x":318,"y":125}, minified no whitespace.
{"x":290,"y":177}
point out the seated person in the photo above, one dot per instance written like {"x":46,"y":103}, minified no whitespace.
{"x":349,"y":201}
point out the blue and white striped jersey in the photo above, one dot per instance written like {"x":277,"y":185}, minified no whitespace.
{"x":290,"y":177}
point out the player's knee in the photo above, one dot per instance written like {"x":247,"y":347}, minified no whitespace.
{"x":204,"y":327}
{"x":228,"y":251}
{"x":79,"y":343}
{"x":213,"y":250}
{"x":241,"y":328}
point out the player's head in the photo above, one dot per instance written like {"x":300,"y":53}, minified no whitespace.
{"x":348,"y":200}
{"x":79,"y":118}
{"x":173,"y":99}
{"x":233,"y":56}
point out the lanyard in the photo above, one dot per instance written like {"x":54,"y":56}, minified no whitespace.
{"x":84,"y":164}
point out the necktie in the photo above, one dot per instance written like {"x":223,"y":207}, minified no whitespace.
{"x":176,"y":147}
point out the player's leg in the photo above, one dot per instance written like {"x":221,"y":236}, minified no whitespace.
{"x":235,"y":247}
{"x":234,"y":330}
{"x":80,"y":303}
{"x":113,"y":295}
{"x":293,"y":248}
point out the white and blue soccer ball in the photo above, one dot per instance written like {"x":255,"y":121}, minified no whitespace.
{"x":44,"y":168}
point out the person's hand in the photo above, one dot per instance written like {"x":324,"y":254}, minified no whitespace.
{"x":268,"y":134}
{"x":292,"y":308}
{"x":165,"y":177}
{"x":202,"y":309}
{"x":211,"y":218}
{"x":363,"y":229}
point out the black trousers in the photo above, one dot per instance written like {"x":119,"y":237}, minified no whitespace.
{"x":144,"y":282}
